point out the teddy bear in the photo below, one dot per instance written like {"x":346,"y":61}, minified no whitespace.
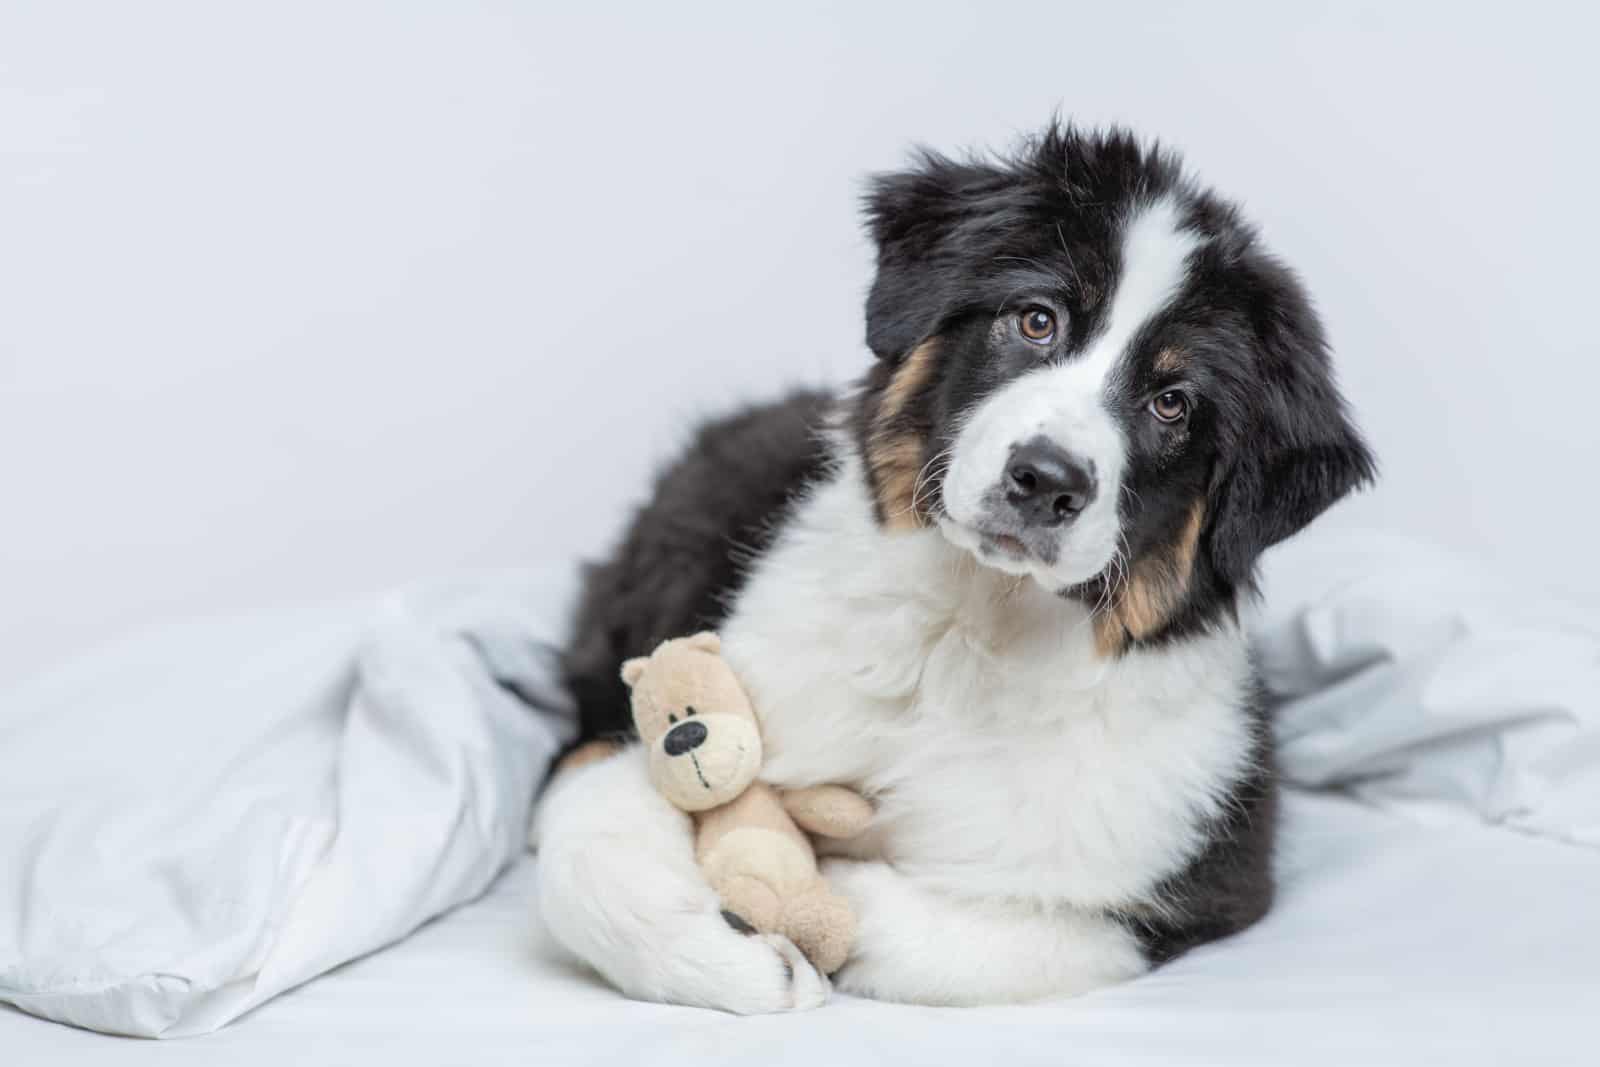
{"x":704,"y":747}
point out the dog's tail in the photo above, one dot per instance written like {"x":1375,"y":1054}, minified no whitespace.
{"x":619,"y":890}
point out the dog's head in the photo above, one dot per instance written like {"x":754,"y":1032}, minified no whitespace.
{"x":695,"y":721}
{"x":1090,"y":372}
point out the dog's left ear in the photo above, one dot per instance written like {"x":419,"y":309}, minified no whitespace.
{"x":1294,"y":451}
{"x":917,"y":218}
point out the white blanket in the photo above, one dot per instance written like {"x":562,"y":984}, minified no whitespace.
{"x":197,"y":819}
{"x":1423,"y":681}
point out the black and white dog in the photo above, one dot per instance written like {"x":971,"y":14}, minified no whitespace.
{"x":996,"y":587}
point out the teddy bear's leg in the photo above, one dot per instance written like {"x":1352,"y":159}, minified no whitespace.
{"x":752,"y":900}
{"x":619,"y":888}
{"x":822,"y":925}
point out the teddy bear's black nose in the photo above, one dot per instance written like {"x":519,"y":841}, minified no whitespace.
{"x":684,"y":736}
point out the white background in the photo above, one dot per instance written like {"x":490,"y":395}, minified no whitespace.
{"x":312,"y":299}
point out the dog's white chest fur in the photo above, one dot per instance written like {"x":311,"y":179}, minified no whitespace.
{"x":1006,"y":757}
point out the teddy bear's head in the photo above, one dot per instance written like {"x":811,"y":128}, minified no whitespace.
{"x":695,"y":721}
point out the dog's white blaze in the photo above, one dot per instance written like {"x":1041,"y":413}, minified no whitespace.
{"x":1067,"y":403}
{"x":1155,"y":256}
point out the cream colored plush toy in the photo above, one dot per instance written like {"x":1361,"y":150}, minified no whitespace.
{"x":705,"y":751}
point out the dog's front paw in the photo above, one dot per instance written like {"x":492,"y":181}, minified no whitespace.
{"x":807,"y":987}
{"x":717,"y":966}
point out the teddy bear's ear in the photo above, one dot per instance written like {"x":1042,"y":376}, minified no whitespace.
{"x":633,"y":668}
{"x":705,"y":641}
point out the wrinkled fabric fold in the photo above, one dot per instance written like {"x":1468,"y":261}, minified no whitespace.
{"x":199,"y":818}
{"x":1423,"y":681}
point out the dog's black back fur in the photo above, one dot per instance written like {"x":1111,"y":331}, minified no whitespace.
{"x":681,"y":559}
{"x":1228,"y":885}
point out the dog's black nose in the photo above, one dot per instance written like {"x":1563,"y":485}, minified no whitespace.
{"x":1046,"y":484}
{"x":684,"y":736}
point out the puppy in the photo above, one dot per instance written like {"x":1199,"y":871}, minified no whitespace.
{"x":995,"y":587}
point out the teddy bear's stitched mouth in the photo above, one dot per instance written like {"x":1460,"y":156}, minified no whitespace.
{"x":697,"y":772}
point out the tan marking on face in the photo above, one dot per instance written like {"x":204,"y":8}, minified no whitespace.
{"x":1156,"y":586}
{"x":896,"y":462}
{"x":911,"y":375}
{"x":1169,"y":361}
{"x":895,"y":455}
{"x":1188,"y":543}
{"x":1109,"y":637}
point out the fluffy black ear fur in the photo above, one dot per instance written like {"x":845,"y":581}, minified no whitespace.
{"x":920,"y":219}
{"x":1297,"y":452}
{"x":940,"y":219}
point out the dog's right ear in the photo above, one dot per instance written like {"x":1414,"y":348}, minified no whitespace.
{"x":633,"y":668}
{"x":917,"y":218}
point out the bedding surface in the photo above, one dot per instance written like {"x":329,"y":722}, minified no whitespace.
{"x":1393,"y":943}
{"x":198,"y":817}
{"x":1417,"y":679}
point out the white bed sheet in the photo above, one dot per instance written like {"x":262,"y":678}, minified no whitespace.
{"x":1393,"y":943}
{"x":203,"y":815}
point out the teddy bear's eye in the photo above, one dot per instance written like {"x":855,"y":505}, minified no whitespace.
{"x":671,"y":717}
{"x":688,"y":709}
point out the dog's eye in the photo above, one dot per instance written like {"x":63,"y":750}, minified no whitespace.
{"x":688,"y":709}
{"x":1037,"y":324}
{"x":1170,"y":406}
{"x":671,"y":718}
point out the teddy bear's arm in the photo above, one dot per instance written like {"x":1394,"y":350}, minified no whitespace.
{"x":829,"y":810}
